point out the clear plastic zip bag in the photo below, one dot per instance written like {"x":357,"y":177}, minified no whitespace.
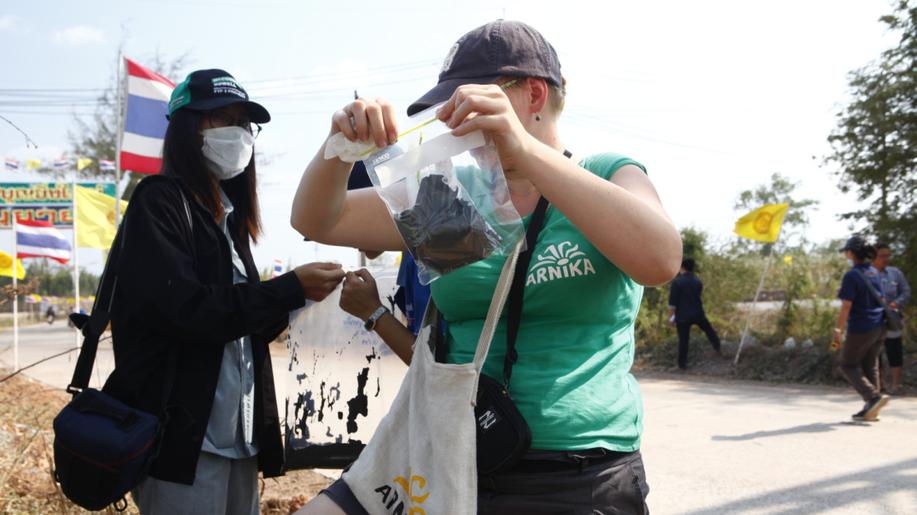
{"x":447,"y":195}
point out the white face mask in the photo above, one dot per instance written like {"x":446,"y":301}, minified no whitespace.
{"x":850,"y":262}
{"x":227,"y":151}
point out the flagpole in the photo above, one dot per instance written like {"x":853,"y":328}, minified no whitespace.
{"x":76,"y":264}
{"x":15,"y":297}
{"x":754,"y":302}
{"x":118,"y":142}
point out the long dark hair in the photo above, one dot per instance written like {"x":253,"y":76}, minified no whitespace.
{"x":182,"y":158}
{"x":865,"y":253}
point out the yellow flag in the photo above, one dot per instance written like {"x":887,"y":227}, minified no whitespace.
{"x":762,"y":224}
{"x":95,"y":218}
{"x":33,"y":164}
{"x":6,"y":266}
{"x":83,"y":162}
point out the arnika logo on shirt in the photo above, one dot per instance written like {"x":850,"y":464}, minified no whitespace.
{"x":560,"y":261}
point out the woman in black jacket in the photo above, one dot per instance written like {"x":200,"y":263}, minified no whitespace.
{"x":191,"y":319}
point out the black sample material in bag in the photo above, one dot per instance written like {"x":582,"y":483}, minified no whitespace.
{"x":444,"y":231}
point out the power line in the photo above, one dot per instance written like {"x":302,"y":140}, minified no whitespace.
{"x":305,"y":95}
{"x":378,"y":69}
{"x":290,"y":95}
{"x":298,"y":79}
{"x":52,"y":113}
{"x":28,"y":140}
{"x":49,"y":90}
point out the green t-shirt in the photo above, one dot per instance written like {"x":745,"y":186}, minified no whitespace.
{"x":572,"y":381}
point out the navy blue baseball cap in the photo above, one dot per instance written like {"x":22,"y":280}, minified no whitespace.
{"x":499,"y":49}
{"x":855,"y":243}
{"x":206,"y":90}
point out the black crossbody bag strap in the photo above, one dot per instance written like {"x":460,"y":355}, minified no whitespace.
{"x":517,"y":290}
{"x":875,"y":294}
{"x":93,"y":328}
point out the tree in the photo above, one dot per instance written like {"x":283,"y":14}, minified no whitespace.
{"x":693,"y":244}
{"x":53,"y":279}
{"x":96,"y":138}
{"x":779,"y":190}
{"x":874,"y":145}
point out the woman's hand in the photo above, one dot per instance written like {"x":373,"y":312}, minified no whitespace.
{"x":318,"y":280}
{"x":487,"y":108}
{"x":360,"y":296}
{"x":365,"y":120}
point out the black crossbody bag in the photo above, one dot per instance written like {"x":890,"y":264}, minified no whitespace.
{"x":503,"y":435}
{"x":102,"y":447}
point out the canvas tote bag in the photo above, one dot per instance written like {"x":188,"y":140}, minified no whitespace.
{"x":422,"y":458}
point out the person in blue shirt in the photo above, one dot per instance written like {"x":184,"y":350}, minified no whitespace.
{"x":686,"y":309}
{"x":412,"y":296}
{"x":897,"y":292}
{"x":863,"y":316}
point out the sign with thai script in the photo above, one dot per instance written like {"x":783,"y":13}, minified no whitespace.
{"x":43,"y":193}
{"x":43,"y":201}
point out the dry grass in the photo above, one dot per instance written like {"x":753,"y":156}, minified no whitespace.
{"x":27,"y":409}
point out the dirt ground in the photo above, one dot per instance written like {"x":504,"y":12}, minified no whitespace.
{"x":27,"y":410}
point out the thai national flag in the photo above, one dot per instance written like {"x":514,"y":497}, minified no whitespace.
{"x":278,"y":268}
{"x":11,"y":164}
{"x":62,"y":164}
{"x":145,"y":121}
{"x":41,"y":239}
{"x":106,"y":166}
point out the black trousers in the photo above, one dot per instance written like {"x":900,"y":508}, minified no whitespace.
{"x":684,"y":332}
{"x":895,"y":352}
{"x":611,"y":485}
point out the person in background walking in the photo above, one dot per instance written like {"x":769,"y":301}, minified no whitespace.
{"x":863,"y":316}
{"x":897,"y":292}
{"x":686,"y":309}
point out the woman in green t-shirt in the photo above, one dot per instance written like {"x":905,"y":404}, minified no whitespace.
{"x":605,"y":235}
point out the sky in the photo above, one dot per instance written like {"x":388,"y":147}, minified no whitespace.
{"x":711,"y":96}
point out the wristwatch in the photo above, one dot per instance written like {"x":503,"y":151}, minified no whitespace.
{"x":377,"y":314}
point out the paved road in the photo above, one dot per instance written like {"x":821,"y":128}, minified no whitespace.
{"x":742,"y":447}
{"x":40,"y":341}
{"x":714,"y":447}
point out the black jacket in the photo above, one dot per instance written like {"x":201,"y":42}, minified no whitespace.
{"x":175,"y":293}
{"x":684,"y":296}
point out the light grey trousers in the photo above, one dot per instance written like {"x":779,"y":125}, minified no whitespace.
{"x":221,"y":486}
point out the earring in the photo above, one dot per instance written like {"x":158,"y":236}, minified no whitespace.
{"x":537,"y":117}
